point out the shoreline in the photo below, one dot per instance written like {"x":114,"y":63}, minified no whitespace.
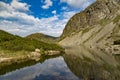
{"x":35,"y":55}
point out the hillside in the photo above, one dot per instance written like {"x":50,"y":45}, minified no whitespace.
{"x":11,"y":43}
{"x":5,"y":36}
{"x":42,"y":37}
{"x":98,"y":25}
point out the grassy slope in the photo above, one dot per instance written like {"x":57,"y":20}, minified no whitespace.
{"x":16,"y":44}
{"x":42,"y":37}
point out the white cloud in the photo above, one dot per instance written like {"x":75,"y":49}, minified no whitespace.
{"x":54,"y":25}
{"x":19,"y":6}
{"x":78,"y":3}
{"x":64,"y":8}
{"x":68,"y":14}
{"x":54,"y":12}
{"x":20,"y":23}
{"x":47,"y":3}
{"x":9,"y":12}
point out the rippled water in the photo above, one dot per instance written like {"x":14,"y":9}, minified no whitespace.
{"x":78,"y":63}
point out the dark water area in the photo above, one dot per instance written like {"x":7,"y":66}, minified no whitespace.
{"x":76,"y":64}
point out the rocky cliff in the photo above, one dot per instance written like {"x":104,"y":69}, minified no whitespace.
{"x":98,"y":25}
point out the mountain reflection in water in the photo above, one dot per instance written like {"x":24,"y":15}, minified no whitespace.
{"x":93,"y":64}
{"x":78,"y":63}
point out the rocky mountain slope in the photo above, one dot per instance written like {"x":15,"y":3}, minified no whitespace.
{"x":98,"y":25}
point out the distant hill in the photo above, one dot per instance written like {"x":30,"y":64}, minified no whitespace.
{"x":16,"y":43}
{"x":42,"y":37}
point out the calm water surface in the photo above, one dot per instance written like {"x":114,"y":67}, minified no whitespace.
{"x":51,"y":69}
{"x":78,"y":63}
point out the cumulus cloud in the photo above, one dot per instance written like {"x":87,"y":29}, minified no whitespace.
{"x":54,"y":12}
{"x":11,"y":13}
{"x":64,"y":8}
{"x":19,"y":6}
{"x":68,"y":14}
{"x":54,"y":25}
{"x":47,"y":3}
{"x":18,"y":22}
{"x":78,"y":3}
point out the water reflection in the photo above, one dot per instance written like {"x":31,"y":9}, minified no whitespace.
{"x":78,"y":63}
{"x":93,"y":64}
{"x":12,"y":67}
{"x":51,"y":69}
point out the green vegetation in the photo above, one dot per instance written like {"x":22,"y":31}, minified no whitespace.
{"x":15,"y":43}
{"x":42,"y":37}
{"x":4,"y":36}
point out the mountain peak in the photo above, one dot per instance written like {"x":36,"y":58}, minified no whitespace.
{"x":98,"y":25}
{"x":92,"y":15}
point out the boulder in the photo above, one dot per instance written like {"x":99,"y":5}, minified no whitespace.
{"x":37,"y":50}
{"x":52,"y":52}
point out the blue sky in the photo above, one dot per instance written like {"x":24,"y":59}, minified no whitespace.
{"x":24,"y":17}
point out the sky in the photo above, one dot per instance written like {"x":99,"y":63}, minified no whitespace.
{"x":24,"y":17}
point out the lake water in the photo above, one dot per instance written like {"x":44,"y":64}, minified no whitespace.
{"x":75,"y":64}
{"x":51,"y":69}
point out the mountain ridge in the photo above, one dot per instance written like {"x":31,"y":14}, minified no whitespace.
{"x":96,"y":26}
{"x":101,"y":9}
{"x":42,"y":37}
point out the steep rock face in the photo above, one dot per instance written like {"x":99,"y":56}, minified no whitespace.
{"x":91,"y":16}
{"x":99,"y":24}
